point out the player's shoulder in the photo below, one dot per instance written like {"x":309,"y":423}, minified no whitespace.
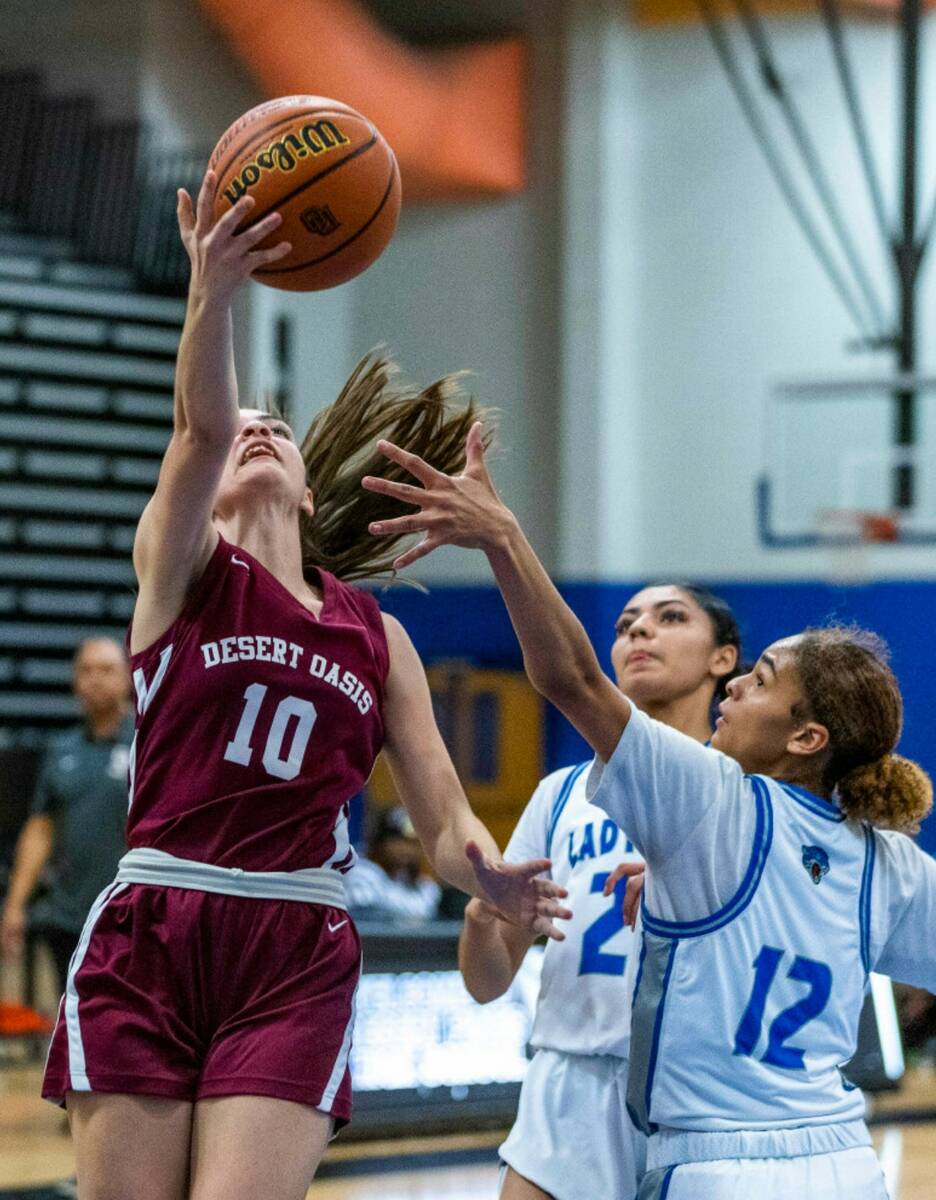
{"x":552,"y":794}
{"x":898,"y":858}
{"x":562,"y":781}
{"x":903,"y":879}
{"x":534,"y":831}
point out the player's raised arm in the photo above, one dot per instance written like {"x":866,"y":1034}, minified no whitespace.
{"x":457,"y":844}
{"x":174,"y":538}
{"x":465,"y":510}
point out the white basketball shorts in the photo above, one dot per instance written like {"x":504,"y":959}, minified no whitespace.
{"x":572,"y":1136}
{"x":853,"y":1174}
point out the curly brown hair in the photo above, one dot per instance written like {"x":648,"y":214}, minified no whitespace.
{"x":850,"y":688}
{"x":339,"y":449}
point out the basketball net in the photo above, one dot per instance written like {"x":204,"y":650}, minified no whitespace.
{"x":849,"y":536}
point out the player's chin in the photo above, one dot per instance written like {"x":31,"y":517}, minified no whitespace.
{"x":642,"y":688}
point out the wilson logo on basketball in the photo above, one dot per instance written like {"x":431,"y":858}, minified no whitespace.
{"x":320,"y":220}
{"x":313,"y":139}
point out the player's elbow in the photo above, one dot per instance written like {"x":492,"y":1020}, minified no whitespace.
{"x":482,"y":990}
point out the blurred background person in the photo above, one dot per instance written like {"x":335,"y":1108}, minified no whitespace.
{"x":76,"y":821}
{"x":389,"y":883}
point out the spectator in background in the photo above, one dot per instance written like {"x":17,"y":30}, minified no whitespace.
{"x":389,"y":884}
{"x":76,"y":823}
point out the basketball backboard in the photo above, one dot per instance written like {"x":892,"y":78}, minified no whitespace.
{"x":829,"y":463}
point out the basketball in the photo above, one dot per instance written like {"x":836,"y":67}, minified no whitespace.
{"x":331,"y":175}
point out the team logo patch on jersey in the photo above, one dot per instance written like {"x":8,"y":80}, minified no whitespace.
{"x":816,"y":862}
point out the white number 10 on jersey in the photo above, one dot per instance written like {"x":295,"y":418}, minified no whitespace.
{"x":239,"y":750}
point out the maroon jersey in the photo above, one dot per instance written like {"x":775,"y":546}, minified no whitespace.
{"x":257,"y":722}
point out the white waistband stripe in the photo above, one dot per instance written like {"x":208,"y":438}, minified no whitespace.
{"x":313,"y":885}
{"x":669,"y":1147}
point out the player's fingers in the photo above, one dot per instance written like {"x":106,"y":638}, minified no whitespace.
{"x":400,"y":526}
{"x":541,"y":925}
{"x":475,"y":854}
{"x":205,"y":202}
{"x":256,"y":233}
{"x":552,"y":908}
{"x":260,"y":258}
{"x":547,"y":887}
{"x":474,"y":449}
{"x":622,"y":871}
{"x":532,"y":868}
{"x":185,"y":212}
{"x":389,"y":487}
{"x":227,"y":223}
{"x":420,"y":550}
{"x":632,"y":900}
{"x":417,"y":466}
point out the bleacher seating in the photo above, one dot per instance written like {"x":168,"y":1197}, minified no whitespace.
{"x":101,"y":189}
{"x":91,"y":279}
{"x":86,"y":373}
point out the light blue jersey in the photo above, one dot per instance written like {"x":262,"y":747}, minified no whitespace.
{"x":584,"y":1000}
{"x":764,"y":913}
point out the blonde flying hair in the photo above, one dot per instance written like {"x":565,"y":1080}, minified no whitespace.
{"x":339,"y":449}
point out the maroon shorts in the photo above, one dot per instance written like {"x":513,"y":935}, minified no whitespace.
{"x":189,"y":994}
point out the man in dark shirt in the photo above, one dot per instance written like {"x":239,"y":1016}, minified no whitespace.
{"x":79,"y":809}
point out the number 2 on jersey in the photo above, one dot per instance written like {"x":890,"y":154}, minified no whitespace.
{"x":594,"y":960}
{"x":239,"y":750}
{"x":789,"y":1022}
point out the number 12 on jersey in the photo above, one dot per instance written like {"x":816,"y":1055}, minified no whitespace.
{"x":275,"y":763}
{"x":815,"y":974}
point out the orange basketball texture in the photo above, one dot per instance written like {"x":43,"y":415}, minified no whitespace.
{"x":330,"y":174}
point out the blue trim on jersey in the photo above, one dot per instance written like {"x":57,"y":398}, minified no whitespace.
{"x":667,"y":1180}
{"x":763,"y":837}
{"x":864,"y":902}
{"x":657,"y":1032}
{"x":560,"y":802}
{"x":817,"y":805}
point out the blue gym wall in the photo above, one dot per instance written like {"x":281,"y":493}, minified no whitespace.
{"x":471,"y":622}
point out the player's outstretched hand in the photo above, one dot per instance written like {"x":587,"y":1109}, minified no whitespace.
{"x":221,"y":257}
{"x":517,"y":894}
{"x":454,"y":510}
{"x":636,"y":874}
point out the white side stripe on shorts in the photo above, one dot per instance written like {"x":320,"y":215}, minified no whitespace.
{"x":341,"y":1062}
{"x":76,"y":1056}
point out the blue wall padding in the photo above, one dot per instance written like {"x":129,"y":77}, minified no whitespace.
{"x":471,"y":622}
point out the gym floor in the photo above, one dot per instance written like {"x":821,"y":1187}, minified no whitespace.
{"x":35,"y":1150}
